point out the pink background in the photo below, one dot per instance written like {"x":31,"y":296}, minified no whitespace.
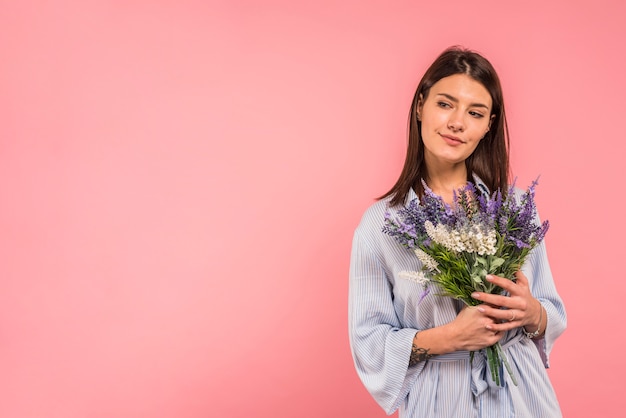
{"x":180,"y":180}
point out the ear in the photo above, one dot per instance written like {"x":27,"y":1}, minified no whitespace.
{"x":491,"y":119}
{"x":420,"y":106}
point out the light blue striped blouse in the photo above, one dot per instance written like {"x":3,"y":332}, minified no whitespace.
{"x":385,"y":313}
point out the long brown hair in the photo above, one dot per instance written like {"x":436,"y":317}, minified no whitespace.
{"x":490,"y":159}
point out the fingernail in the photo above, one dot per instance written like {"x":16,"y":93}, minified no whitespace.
{"x":475,"y":295}
{"x":481,"y":309}
{"x":489,"y":277}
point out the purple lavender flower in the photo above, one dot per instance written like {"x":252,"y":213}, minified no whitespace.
{"x":479,"y":234}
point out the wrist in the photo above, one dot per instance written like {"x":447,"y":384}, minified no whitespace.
{"x":450,"y":338}
{"x":437,"y":340}
{"x":536,"y":330}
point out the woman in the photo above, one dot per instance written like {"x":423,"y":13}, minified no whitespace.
{"x":414,"y":354}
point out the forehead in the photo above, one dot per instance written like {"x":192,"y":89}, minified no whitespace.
{"x":462,"y":88}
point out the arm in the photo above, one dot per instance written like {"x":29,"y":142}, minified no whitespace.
{"x":380,"y":346}
{"x":389,"y":355}
{"x":543,"y":288}
{"x":533,"y":302}
{"x":471,"y":330}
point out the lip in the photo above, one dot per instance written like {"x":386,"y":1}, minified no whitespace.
{"x":452,"y":140}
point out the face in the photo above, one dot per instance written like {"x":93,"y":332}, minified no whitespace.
{"x":455,"y":116}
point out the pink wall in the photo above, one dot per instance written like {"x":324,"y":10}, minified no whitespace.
{"x":179,"y":184}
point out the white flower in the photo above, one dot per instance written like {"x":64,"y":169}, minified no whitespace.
{"x":482,"y":242}
{"x":443,"y":236}
{"x":472,"y":238}
{"x":415,"y":276}
{"x":426,"y":260}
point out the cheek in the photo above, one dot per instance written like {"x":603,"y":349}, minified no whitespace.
{"x":477,"y":138}
{"x":479,"y":131}
{"x":433,"y":120}
{"x":474,"y":145}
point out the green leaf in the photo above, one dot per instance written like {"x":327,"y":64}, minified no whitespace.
{"x":495,"y":263}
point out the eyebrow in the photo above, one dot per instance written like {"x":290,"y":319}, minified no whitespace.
{"x":455,"y":100}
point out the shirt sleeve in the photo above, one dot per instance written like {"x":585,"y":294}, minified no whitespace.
{"x":380,"y":346}
{"x":538,"y":271}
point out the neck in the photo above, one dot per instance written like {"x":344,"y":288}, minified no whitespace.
{"x":446,"y":182}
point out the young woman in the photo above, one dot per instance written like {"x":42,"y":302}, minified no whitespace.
{"x":414,"y":354}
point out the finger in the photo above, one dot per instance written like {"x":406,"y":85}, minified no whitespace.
{"x":493,"y":300}
{"x":512,"y":317}
{"x":496,"y":328}
{"x":501,"y":315}
{"x":503,"y":324}
{"x":504,"y":283}
{"x":501,"y":328}
{"x":521,"y":278}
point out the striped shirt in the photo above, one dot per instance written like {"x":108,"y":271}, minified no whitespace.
{"x":385,"y":313}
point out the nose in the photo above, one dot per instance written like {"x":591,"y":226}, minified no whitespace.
{"x":455,"y":123}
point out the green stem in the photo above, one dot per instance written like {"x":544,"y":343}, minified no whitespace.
{"x":506,"y":363}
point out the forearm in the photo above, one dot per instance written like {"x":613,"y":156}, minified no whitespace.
{"x":471,"y":330}
{"x":430,"y":343}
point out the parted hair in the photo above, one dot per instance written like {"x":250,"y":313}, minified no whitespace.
{"x":490,"y":159}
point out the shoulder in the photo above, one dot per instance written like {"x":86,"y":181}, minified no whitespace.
{"x":369,"y":231}
{"x":369,"y":240}
{"x":516,"y":193}
{"x":374,"y":215}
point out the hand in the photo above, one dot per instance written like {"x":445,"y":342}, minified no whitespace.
{"x":521,"y":307}
{"x":472,"y":330}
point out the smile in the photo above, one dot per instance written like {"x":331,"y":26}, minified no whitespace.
{"x":452,"y":140}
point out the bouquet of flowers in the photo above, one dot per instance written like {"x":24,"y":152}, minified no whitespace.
{"x":459,"y":244}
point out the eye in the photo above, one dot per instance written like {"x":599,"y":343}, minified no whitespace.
{"x":443,"y":104}
{"x":476,"y":114}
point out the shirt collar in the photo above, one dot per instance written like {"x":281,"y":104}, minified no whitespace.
{"x":478,"y":182}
